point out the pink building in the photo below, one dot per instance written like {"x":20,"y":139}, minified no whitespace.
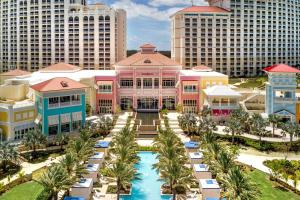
{"x":149,"y":81}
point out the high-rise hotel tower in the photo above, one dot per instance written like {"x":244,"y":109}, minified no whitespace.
{"x":237,"y":37}
{"x":38,"y":33}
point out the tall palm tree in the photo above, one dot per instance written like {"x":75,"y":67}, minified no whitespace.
{"x":240,"y":187}
{"x":292,"y":129}
{"x":224,"y":162}
{"x":233,"y":126}
{"x":258,"y":126}
{"x":205,"y":124}
{"x":55,"y":179}
{"x":274,"y":121}
{"x":81,"y":150}
{"x":61,"y":139}
{"x":8,"y":154}
{"x":124,"y":173}
{"x":34,"y":139}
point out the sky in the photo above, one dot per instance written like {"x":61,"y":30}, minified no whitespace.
{"x":148,"y":21}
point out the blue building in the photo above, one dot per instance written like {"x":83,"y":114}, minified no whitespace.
{"x":60,"y":105}
{"x":281,"y":91}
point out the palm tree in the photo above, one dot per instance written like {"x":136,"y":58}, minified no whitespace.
{"x":205,"y":124}
{"x":239,"y":187}
{"x":188,"y":122}
{"x":124,"y":173}
{"x":34,"y":139}
{"x":224,"y":162}
{"x":292,"y":129}
{"x":276,"y":168}
{"x":54,"y":180}
{"x":105,"y":124}
{"x":258,"y":126}
{"x":233,"y":126}
{"x":61,"y":139}
{"x":81,"y":150}
{"x":274,"y":120}
{"x":8,"y":154}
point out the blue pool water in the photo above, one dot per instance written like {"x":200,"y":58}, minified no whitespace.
{"x":148,"y":187}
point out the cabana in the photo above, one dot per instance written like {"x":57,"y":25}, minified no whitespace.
{"x":201,"y":171}
{"x":92,"y":170}
{"x":209,"y":188}
{"x":102,"y":146}
{"x":97,"y":158}
{"x":195,"y":157}
{"x":191,"y":146}
{"x":83,"y":188}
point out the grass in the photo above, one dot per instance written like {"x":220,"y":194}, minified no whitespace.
{"x":250,"y":82}
{"x":26,"y":191}
{"x":269,"y":189}
{"x":42,"y":155}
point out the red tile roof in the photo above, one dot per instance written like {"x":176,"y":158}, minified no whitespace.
{"x":202,"y":68}
{"x":147,"y":46}
{"x":60,"y":67}
{"x":16,"y":72}
{"x":281,"y":68}
{"x":147,"y":59}
{"x":58,"y":84}
{"x":204,"y":9}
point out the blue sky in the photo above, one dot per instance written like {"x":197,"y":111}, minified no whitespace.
{"x":148,"y":20}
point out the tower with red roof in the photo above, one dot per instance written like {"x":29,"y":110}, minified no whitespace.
{"x":281,"y":90}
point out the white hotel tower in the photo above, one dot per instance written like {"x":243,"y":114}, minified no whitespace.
{"x":38,"y":33}
{"x":237,"y":37}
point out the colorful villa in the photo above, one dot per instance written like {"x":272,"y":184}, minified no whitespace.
{"x":281,"y":95}
{"x":146,"y":82}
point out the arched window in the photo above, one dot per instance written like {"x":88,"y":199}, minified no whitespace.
{"x":107,"y":18}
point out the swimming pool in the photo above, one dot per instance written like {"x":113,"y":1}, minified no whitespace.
{"x":148,"y":188}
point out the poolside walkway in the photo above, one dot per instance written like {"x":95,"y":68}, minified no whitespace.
{"x":174,"y":125}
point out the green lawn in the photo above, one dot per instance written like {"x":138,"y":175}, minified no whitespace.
{"x":269,"y":192}
{"x":26,"y":191}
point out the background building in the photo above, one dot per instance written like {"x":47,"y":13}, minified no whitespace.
{"x":35,"y":34}
{"x":237,"y":37}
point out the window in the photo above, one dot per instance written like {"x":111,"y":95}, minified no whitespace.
{"x":190,"y":89}
{"x":168,"y":103}
{"x":31,"y":114}
{"x":76,"y":125}
{"x":126,"y":103}
{"x":190,"y":106}
{"x":18,"y":117}
{"x":76,"y":99}
{"x":25,"y":115}
{"x":65,"y":100}
{"x":105,"y":106}
{"x":65,"y":128}
{"x":156,"y":83}
{"x":147,"y":83}
{"x":138,"y":83}
{"x":53,"y":102}
{"x":126,"y":83}
{"x":53,"y":130}
{"x":105,"y":88}
{"x":168,"y":83}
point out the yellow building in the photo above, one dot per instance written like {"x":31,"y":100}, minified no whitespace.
{"x":16,"y":118}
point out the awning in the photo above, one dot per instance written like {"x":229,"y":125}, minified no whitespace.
{"x":53,"y":120}
{"x":104,"y":82}
{"x":76,"y":116}
{"x":65,"y":118}
{"x":38,"y":119}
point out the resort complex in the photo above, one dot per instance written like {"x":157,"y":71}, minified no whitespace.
{"x":81,"y":120}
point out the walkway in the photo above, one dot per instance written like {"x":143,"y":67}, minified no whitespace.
{"x":120,"y":124}
{"x":174,"y":125}
{"x":29,"y":168}
{"x":257,"y":162}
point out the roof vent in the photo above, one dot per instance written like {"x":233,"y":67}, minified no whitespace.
{"x":64,"y":84}
{"x":147,"y":61}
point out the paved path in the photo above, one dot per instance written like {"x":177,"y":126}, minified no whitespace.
{"x":257,"y":162}
{"x":28,"y":168}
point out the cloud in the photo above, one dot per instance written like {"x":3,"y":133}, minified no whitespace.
{"x":157,"y":3}
{"x":143,"y":10}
